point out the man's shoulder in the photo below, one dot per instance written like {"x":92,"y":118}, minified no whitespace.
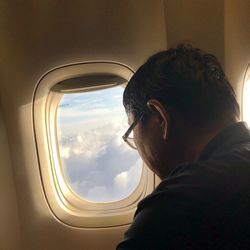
{"x":204,"y":181}
{"x":180,"y":184}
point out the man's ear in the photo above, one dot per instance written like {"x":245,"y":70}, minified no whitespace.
{"x":156,"y":106}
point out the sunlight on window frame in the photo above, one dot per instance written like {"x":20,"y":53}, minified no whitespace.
{"x":246,"y":96}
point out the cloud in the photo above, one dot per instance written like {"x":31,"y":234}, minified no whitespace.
{"x":97,"y":163}
{"x":121,"y":180}
{"x":98,"y":194}
{"x":101,"y":158}
{"x":65,"y":152}
{"x":69,"y":113}
{"x":127,"y":181}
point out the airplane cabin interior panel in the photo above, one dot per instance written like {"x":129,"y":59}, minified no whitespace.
{"x":54,"y":50}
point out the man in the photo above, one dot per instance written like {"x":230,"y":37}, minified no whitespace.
{"x":185,"y":120}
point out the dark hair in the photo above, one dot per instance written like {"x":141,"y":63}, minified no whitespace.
{"x":184,"y":79}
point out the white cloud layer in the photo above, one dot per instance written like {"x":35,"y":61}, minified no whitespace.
{"x":99,"y":166}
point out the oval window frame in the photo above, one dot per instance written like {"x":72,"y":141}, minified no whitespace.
{"x":66,"y":205}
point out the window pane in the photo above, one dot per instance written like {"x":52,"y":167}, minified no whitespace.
{"x":246,"y":102}
{"x":96,"y":162}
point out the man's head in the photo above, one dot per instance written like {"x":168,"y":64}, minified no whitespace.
{"x":183,"y":94}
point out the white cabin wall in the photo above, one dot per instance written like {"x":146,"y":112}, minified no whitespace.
{"x":199,"y":22}
{"x":237,"y":42}
{"x":37,"y":36}
{"x":9,"y":229}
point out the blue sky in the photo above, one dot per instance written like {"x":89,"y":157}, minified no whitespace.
{"x":99,"y":166}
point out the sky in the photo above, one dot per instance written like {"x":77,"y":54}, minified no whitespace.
{"x":98,"y":164}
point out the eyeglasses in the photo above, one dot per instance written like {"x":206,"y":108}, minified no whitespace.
{"x":130,"y":139}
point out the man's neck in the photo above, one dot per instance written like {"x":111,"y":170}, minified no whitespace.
{"x":186,"y":147}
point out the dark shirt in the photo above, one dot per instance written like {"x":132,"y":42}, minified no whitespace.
{"x":200,"y":205}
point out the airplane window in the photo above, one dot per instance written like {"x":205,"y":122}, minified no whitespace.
{"x":246,"y":97}
{"x":97,"y":164}
{"x":91,"y":177}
